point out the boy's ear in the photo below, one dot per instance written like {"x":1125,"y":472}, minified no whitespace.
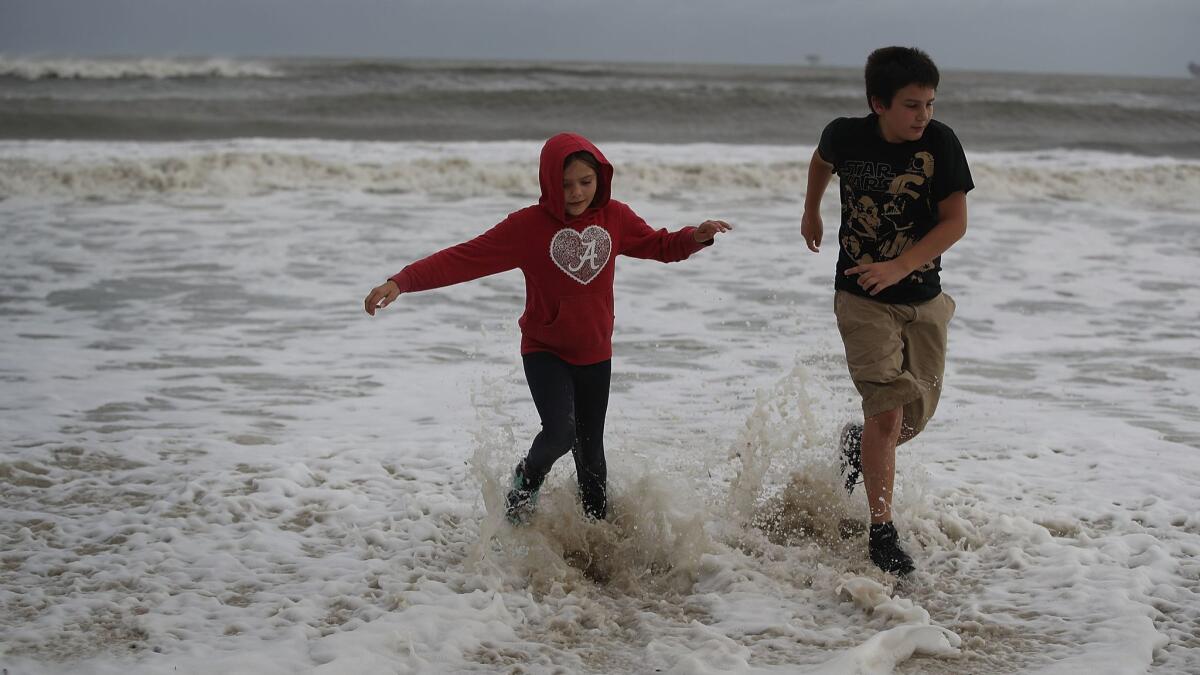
{"x":877,"y":105}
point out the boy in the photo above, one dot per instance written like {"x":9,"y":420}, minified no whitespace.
{"x":904,"y":180}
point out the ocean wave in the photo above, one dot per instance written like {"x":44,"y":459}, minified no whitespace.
{"x":114,"y":68}
{"x":481,"y":169}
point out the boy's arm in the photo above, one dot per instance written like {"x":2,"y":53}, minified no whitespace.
{"x":951,"y":226}
{"x":812,"y":228}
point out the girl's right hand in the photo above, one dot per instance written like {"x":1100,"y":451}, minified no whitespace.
{"x":381,"y":296}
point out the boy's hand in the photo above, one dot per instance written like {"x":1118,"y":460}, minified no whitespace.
{"x":381,"y":296}
{"x":709,"y":229}
{"x":812,"y":228}
{"x":874,"y":277}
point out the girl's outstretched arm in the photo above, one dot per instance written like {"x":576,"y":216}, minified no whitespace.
{"x":641,"y":241}
{"x":497,"y":250}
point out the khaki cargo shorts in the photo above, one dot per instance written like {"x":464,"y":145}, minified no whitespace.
{"x":896,"y":354}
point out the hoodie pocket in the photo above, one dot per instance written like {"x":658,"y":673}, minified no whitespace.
{"x":579,"y":323}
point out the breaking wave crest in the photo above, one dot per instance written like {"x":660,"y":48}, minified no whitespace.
{"x":232,"y":170}
{"x":115,"y":69}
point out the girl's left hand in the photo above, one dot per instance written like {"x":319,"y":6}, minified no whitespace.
{"x":874,"y":277}
{"x":709,"y":229}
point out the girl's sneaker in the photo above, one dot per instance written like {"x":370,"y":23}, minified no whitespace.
{"x":522,"y":498}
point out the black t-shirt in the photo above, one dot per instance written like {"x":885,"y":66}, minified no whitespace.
{"x":890,"y":195}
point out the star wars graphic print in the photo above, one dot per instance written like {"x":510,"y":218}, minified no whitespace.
{"x":877,"y":204}
{"x":890,"y":194}
{"x":581,"y":254}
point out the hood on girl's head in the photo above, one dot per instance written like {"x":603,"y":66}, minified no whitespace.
{"x":551,"y":173}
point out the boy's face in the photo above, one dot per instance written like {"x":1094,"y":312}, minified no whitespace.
{"x":579,"y":187}
{"x":905,"y":119}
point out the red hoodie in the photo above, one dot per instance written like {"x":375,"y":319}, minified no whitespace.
{"x":568,"y":262}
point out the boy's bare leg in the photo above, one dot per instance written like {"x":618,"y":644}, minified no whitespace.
{"x":880,"y":435}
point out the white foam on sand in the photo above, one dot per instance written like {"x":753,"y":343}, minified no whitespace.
{"x":214,"y":461}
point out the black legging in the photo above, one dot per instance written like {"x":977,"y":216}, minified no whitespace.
{"x":571,"y":401}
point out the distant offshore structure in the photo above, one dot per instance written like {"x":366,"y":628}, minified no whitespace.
{"x":815,"y":60}
{"x":1194,"y":68}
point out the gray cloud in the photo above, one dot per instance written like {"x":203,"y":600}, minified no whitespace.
{"x":1154,"y":37}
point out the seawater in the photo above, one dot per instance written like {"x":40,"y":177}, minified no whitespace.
{"x":160,"y":99}
{"x":211,"y":458}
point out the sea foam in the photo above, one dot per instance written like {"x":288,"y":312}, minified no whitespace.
{"x":239,"y":168}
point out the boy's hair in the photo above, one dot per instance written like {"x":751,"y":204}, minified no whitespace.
{"x":582,"y":156}
{"x":890,"y":69}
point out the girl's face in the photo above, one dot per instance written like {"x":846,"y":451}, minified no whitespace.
{"x":579,"y":187}
{"x":907,"y":117}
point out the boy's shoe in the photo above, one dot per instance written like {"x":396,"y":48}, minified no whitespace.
{"x":850,"y":454}
{"x":521,"y":498}
{"x":886,"y":552}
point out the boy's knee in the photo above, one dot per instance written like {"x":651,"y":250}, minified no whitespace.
{"x":908,"y":432}
{"x":917,"y":413}
{"x":890,"y":422}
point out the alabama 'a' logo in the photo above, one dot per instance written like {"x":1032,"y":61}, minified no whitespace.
{"x":581,"y":254}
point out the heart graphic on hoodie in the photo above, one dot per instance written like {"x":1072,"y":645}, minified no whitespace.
{"x":581,"y":254}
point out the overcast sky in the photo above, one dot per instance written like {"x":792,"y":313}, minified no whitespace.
{"x":1134,"y":37}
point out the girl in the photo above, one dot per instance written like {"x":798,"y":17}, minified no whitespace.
{"x":566,"y":246}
